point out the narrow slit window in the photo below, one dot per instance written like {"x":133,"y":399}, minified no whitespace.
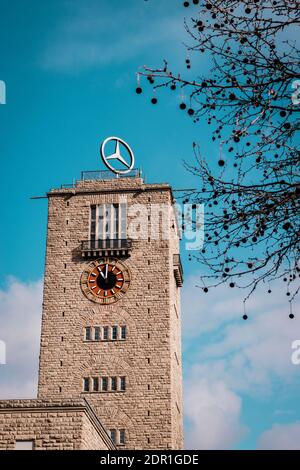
{"x":113,"y":384}
{"x":114,"y":333}
{"x":108,"y":218}
{"x":115,"y":220}
{"x":104,"y":386}
{"x":93,"y":226}
{"x":123,"y":384}
{"x":86,"y":384}
{"x":122,"y":436}
{"x":123,"y":220}
{"x":95,"y":384}
{"x":87,"y":335}
{"x":105,"y":333}
{"x":123,"y":332}
{"x":97,"y":333}
{"x":113,"y":435}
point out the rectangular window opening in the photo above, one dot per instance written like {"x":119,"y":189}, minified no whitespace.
{"x":108,"y":221}
{"x":104,"y":384}
{"x":122,"y":436}
{"x":95,"y":384}
{"x":123,"y":221}
{"x":115,"y":220}
{"x":113,"y":384}
{"x":114,"y":333}
{"x":86,"y":384}
{"x":105,"y":333}
{"x":97,"y":333}
{"x":123,"y":332}
{"x":24,"y":445}
{"x":113,"y":435}
{"x":87,"y":335}
{"x":123,"y":384}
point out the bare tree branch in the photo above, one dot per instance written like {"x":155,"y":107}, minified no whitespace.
{"x":251,"y":194}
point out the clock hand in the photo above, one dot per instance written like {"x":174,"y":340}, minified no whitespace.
{"x":100,"y":270}
{"x":106,"y":271}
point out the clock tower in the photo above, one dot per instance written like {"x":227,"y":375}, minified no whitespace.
{"x":111,"y":309}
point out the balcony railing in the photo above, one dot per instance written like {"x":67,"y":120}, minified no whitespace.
{"x":178,"y":270}
{"x":108,"y":175}
{"x":106,"y":247}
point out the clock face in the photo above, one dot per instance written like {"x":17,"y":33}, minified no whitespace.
{"x":105,"y":280}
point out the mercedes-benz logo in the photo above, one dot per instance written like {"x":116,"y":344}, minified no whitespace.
{"x":128,"y":163}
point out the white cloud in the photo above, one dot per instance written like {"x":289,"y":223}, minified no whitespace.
{"x":247,"y":355}
{"x":100,"y":34}
{"x":228,"y":358}
{"x":20,"y":318}
{"x":281,"y":437}
{"x":213,"y":413}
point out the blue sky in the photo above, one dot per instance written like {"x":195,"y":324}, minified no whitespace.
{"x":70,"y":70}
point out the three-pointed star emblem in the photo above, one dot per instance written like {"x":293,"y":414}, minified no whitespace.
{"x":128,"y":163}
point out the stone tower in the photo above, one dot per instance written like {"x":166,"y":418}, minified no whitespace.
{"x":111,"y":328}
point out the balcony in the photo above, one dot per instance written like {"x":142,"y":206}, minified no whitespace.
{"x":107,"y":247}
{"x":178,"y":271}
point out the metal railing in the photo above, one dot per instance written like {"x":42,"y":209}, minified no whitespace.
{"x":108,"y":175}
{"x":177,"y":262}
{"x":106,"y":244}
{"x":67,"y":185}
{"x":179,"y":270}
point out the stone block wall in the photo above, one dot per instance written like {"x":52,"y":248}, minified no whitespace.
{"x":51,"y":425}
{"x":150,"y":410}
